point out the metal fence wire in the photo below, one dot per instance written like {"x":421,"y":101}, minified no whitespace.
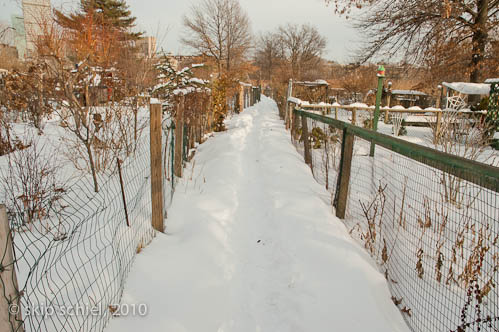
{"x":71,"y":267}
{"x":434,"y":235}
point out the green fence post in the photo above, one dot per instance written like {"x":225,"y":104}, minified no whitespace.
{"x":379,"y":94}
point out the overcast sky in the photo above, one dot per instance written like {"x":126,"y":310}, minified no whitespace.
{"x":163,"y":18}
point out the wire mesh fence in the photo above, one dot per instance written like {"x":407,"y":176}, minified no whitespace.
{"x":434,"y":235}
{"x":72,"y":261}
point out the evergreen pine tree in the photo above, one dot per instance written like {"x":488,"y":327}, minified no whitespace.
{"x":107,"y":13}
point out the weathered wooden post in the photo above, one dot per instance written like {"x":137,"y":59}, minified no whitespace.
{"x":10,"y":304}
{"x":379,"y":94}
{"x":306,"y":142}
{"x":336,"y":113}
{"x":388,"y":102}
{"x":241,"y":98}
{"x":156,"y":166}
{"x":287,"y":115}
{"x":199,"y":111}
{"x":343,"y":184}
{"x":438,"y":127}
{"x":179,"y":137}
{"x":294,"y":127}
{"x":439,"y":97}
{"x":354,"y":116}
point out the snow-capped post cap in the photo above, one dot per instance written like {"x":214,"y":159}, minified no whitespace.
{"x":381,"y":71}
{"x":155,"y":101}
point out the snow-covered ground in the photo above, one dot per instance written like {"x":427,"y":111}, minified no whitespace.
{"x":250,"y":246}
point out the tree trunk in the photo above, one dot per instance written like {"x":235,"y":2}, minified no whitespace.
{"x":92,"y":166}
{"x":479,"y":41}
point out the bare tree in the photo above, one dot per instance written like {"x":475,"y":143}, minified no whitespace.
{"x":417,"y":29}
{"x":303,"y":46}
{"x":269,"y":53}
{"x":358,"y":79}
{"x":220,"y":29}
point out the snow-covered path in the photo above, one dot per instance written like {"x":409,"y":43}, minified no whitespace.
{"x":250,"y":246}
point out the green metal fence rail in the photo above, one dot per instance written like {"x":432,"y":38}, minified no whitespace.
{"x":429,"y":219}
{"x":480,"y":174}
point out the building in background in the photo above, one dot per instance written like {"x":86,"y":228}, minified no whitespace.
{"x":37,"y":19}
{"x":19,"y":35}
{"x":147,"y":47}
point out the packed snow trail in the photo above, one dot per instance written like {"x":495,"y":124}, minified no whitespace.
{"x":250,"y":246}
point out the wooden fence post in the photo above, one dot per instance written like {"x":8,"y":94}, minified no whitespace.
{"x":241,"y":98}
{"x":156,"y":168}
{"x":438,"y":127}
{"x":354,"y":116}
{"x":10,"y":309}
{"x":344,"y":176}
{"x":294,"y":127}
{"x":287,"y":114}
{"x":388,"y":102}
{"x":179,"y":137}
{"x":306,"y":142}
{"x":336,"y":113}
{"x":289,"y":110}
{"x":439,"y":97}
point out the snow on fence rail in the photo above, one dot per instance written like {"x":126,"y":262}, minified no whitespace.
{"x":429,"y":219}
{"x":358,"y":111}
{"x":72,"y":263}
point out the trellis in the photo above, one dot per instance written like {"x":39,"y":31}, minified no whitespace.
{"x":493,"y":109}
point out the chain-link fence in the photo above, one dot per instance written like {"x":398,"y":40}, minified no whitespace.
{"x":429,"y":219}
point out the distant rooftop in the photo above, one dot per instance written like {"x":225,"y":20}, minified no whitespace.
{"x":314,"y":83}
{"x":469,"y":88}
{"x":408,"y":92}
